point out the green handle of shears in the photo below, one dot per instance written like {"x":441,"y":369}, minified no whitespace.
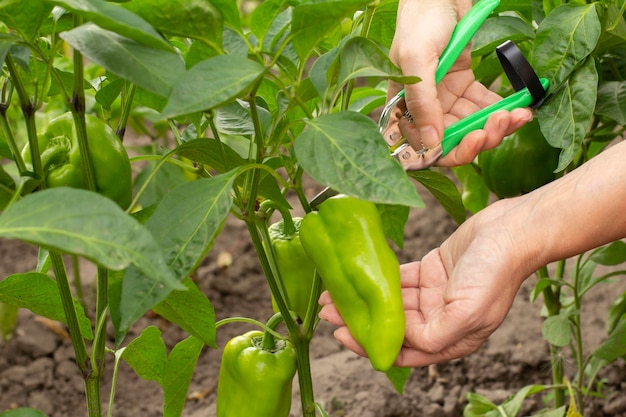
{"x":462,"y":34}
{"x":455,"y":132}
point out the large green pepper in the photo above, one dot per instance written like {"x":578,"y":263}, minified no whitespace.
{"x":297,"y":271}
{"x":521,"y":163}
{"x":346,"y":241}
{"x":62,"y":162}
{"x":256,"y":375}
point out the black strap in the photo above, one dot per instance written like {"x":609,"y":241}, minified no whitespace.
{"x":520,"y":72}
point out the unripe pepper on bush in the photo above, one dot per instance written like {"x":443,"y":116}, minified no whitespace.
{"x":521,"y":163}
{"x":61,"y":158}
{"x":297,"y":270}
{"x":256,"y":375}
{"x":346,"y":241}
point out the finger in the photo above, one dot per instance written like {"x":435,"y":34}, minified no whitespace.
{"x":325,"y":298}
{"x":330,"y":314}
{"x":343,"y":335}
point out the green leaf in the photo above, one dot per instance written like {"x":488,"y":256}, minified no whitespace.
{"x":615,"y":345}
{"x":556,"y":330}
{"x":616,"y":312}
{"x":361,"y":57}
{"x":565,"y":118}
{"x":612,"y":101}
{"x":117,"y":19}
{"x":25,"y":16}
{"x":210,"y":152}
{"x":86,"y":224}
{"x":346,"y":152}
{"x":192,"y":311}
{"x":194,"y":19}
{"x":398,"y":377}
{"x":178,"y":373}
{"x":39,"y":293}
{"x":564,"y":40}
{"x":512,"y":406}
{"x":23,"y":412}
{"x":366,"y":99}
{"x":8,"y":320}
{"x":313,"y":21}
{"x":185,"y":223}
{"x":6,"y":42}
{"x":383,"y":26}
{"x":475,"y":194}
{"x":478,"y":405}
{"x":444,"y":190}
{"x":263,"y":16}
{"x":211,"y":83}
{"x":394,"y":219}
{"x":147,"y":355}
{"x":611,"y":254}
{"x":154,"y":69}
{"x":496,"y":30}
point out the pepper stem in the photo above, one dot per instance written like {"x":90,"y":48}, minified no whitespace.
{"x":268,"y":342}
{"x":289,"y":228}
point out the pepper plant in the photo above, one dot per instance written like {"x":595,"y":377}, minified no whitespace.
{"x":579,"y":46}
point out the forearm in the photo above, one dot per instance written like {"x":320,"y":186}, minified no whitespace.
{"x":581,"y":211}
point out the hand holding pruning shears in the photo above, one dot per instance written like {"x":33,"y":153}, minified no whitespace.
{"x":423,"y":31}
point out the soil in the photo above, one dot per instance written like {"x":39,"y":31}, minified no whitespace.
{"x":37,"y":368}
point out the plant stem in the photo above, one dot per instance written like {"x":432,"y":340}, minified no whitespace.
{"x":127,"y":100}
{"x":305,"y":381}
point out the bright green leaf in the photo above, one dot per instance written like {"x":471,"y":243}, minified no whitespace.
{"x":192,"y":311}
{"x":556,"y":330}
{"x":25,"y":16}
{"x":615,"y":345}
{"x":39,"y":293}
{"x":23,"y":412}
{"x":178,"y":372}
{"x":211,"y":83}
{"x":194,"y":19}
{"x":86,"y":224}
{"x":444,"y":190}
{"x":185,"y":223}
{"x":496,"y":30}
{"x":475,"y":194}
{"x":147,"y":355}
{"x":313,"y":21}
{"x":394,"y":219}
{"x":564,"y":40}
{"x":154,"y":69}
{"x":565,"y":118}
{"x":346,"y":152}
{"x":398,"y":377}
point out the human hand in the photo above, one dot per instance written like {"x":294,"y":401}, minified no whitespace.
{"x":458,"y":294}
{"x":423,"y":30}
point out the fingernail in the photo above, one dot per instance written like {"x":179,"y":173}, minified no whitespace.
{"x":428,"y":136}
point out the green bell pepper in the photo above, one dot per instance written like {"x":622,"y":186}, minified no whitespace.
{"x":521,"y":163}
{"x":297,"y":271}
{"x":346,"y":241}
{"x":61,"y":158}
{"x":256,"y":375}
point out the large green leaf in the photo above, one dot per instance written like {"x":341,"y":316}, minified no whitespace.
{"x":211,"y":83}
{"x":312,"y":21}
{"x":185,"y":223}
{"x":564,"y":39}
{"x":194,"y":19}
{"x":192,"y":311}
{"x":346,"y":152}
{"x":567,"y":115}
{"x":87,"y":224}
{"x":117,"y":19}
{"x":383,"y":26}
{"x":154,"y":69}
{"x":615,"y":345}
{"x":39,"y":293}
{"x":499,"y":29}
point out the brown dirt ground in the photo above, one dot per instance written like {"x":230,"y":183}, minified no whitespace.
{"x":37,"y":368}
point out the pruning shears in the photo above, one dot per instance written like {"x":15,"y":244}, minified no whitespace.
{"x":530,"y":91}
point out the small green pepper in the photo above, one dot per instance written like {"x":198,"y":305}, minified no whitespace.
{"x":521,"y":163}
{"x":297,"y":271}
{"x":346,"y":241}
{"x":256,"y":375}
{"x":62,"y":162}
